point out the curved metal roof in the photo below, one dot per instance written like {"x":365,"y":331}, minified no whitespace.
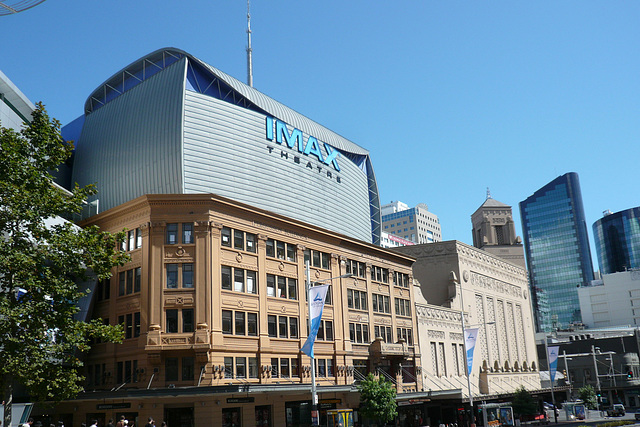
{"x":155,"y":62}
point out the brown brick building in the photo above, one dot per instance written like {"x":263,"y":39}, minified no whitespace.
{"x":214,"y":313}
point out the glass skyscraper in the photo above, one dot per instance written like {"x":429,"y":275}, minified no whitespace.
{"x":618,"y":241}
{"x":557,"y":248}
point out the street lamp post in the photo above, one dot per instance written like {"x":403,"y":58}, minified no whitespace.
{"x":315,"y":419}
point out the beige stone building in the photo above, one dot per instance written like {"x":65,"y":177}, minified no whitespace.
{"x":494,"y":231}
{"x":454,"y":278}
{"x":213,"y":309}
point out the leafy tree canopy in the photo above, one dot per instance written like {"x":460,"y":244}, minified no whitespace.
{"x":42,"y":265}
{"x":378,"y":399}
{"x":588,"y":395}
{"x":523,"y":403}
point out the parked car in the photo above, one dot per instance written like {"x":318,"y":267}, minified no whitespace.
{"x":617,"y":410}
{"x":637,"y":416}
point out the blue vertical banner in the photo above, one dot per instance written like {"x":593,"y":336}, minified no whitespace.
{"x":317,"y":295}
{"x":552,"y":357}
{"x":470,"y":336}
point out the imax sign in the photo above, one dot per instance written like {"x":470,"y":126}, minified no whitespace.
{"x":279,"y":131}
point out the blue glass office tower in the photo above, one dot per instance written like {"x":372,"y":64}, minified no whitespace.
{"x":618,"y":241}
{"x":557,"y":248}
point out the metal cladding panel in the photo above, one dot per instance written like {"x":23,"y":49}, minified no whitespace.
{"x":226,"y":152}
{"x":285,"y":113}
{"x":132,"y":145}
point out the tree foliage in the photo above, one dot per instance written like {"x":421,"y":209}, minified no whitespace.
{"x":523,"y":403}
{"x":378,"y":399}
{"x":39,"y":336}
{"x":588,"y":395}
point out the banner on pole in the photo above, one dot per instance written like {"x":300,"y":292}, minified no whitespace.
{"x":470,"y":336}
{"x":317,"y":295}
{"x":552,"y":357}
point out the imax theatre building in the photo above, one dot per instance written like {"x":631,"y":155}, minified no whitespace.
{"x":225,"y":194}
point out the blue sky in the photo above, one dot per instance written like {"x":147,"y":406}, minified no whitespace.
{"x":450,"y":97}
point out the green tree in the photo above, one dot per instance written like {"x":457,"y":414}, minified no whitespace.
{"x":588,"y":395}
{"x":43,"y":259}
{"x":523,"y":403}
{"x":378,"y":399}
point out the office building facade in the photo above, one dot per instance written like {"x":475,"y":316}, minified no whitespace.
{"x":213,"y":308}
{"x":557,"y":248}
{"x":416,"y":224}
{"x":169,"y":123}
{"x":617,"y":239}
{"x":611,"y":301}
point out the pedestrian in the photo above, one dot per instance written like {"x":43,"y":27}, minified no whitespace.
{"x":29,"y":423}
{"x":164,"y":424}
{"x":94,"y":423}
{"x":150,"y":422}
{"x":122,"y":422}
{"x":110,"y":423}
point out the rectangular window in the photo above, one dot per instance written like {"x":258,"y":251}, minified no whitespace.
{"x":280,"y":251}
{"x":238,"y":240}
{"x":228,"y":367}
{"x":253,"y":367}
{"x":284,"y":368}
{"x":119,"y":372}
{"x":238,"y":280}
{"x":293,"y":327}
{"x":225,"y":236}
{"x":226,"y":277}
{"x":291,"y":252}
{"x":271,"y":248}
{"x":172,"y":276}
{"x":283,"y":323}
{"x":252,"y":324}
{"x":295,"y":368}
{"x":241,"y":367}
{"x":137,"y":281}
{"x":171,"y":369}
{"x":129,"y":282}
{"x":138,"y":238}
{"x":328,"y":330}
{"x":187,"y":320}
{"x":132,"y":240}
{"x":252,"y":288}
{"x":122,"y":281}
{"x":240,"y":319}
{"x":316,"y":258}
{"x":271,"y":285}
{"x":227,"y":326}
{"x":274,"y":367}
{"x":322,"y":367}
{"x":172,"y":321}
{"x":172,"y":234}
{"x":251,"y":242}
{"x":136,"y":324}
{"x":128,"y":333}
{"x":187,"y":275}
{"x":188,"y":368}
{"x":187,"y":233}
{"x":272,"y":326}
{"x":293,"y":288}
{"x":282,"y":287}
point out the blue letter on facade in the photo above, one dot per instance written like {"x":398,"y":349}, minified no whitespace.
{"x":296,"y":135}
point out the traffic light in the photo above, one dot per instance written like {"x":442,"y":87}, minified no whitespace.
{"x":630,"y":374}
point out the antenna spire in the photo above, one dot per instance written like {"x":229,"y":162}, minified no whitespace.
{"x":488,"y":193}
{"x":249,"y":50}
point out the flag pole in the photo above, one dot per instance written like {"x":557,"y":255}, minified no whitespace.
{"x":315,"y":420}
